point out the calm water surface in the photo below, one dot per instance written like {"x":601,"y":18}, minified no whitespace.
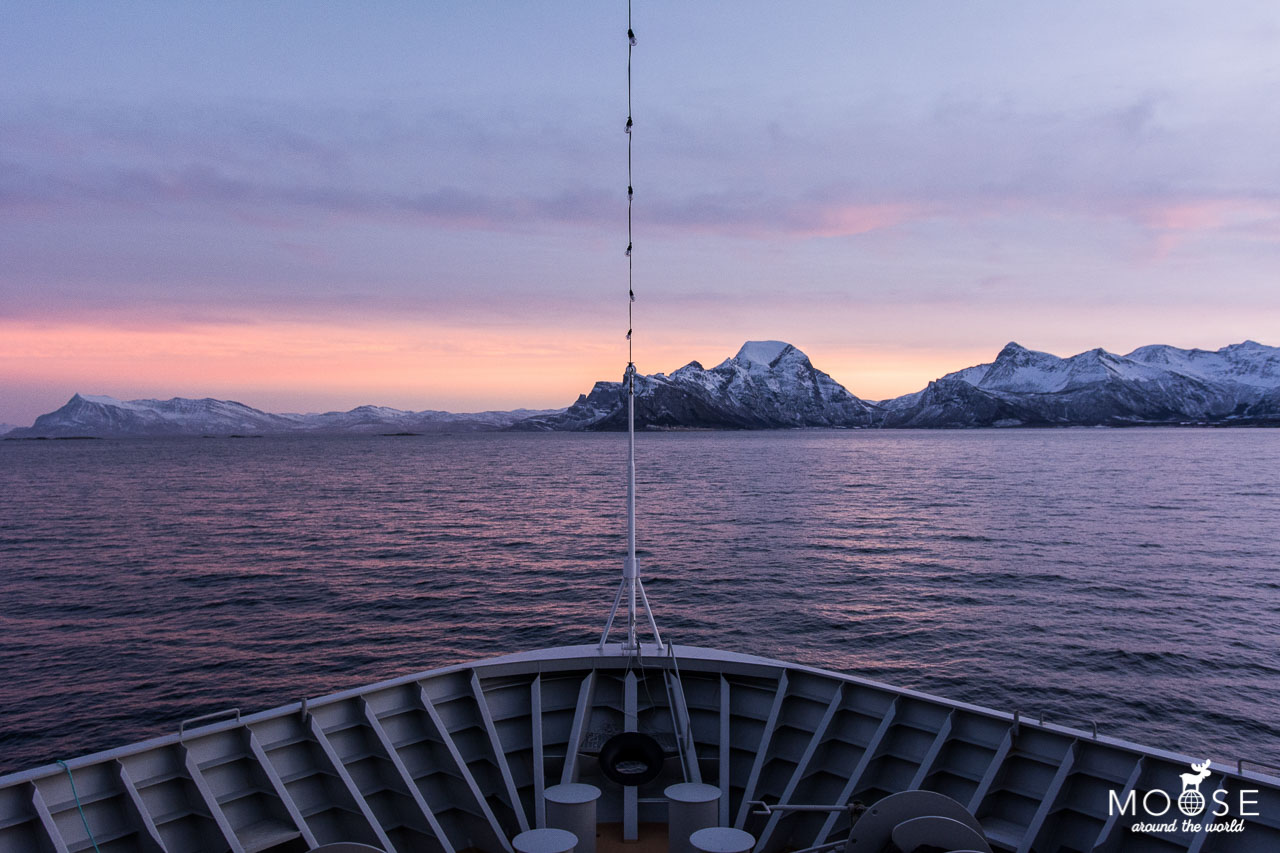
{"x":1130,"y":577}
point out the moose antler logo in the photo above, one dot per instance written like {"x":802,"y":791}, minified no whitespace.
{"x":1152,"y":809}
{"x":1191,"y":801}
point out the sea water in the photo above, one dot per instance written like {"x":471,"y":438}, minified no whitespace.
{"x":1128,"y":578}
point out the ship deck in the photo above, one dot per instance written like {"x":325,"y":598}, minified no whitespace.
{"x":460,"y":758}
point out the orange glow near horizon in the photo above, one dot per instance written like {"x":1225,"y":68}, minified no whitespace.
{"x":327,"y":366}
{"x":317,"y":367}
{"x":285,"y":367}
{"x":879,"y":374}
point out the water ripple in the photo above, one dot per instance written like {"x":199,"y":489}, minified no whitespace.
{"x":1122,"y":576}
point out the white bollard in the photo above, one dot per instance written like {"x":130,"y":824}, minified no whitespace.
{"x":690,"y":807}
{"x":573,"y":807}
{"x":719,"y":839}
{"x":545,"y":841}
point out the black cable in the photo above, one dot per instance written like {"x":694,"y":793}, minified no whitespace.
{"x":631,"y":293}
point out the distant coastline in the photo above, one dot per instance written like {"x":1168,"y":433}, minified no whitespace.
{"x":773,"y":385}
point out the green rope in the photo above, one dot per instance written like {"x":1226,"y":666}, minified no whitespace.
{"x":79,"y":807}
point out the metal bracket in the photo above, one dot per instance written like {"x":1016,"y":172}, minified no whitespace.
{"x":1093,"y":725}
{"x":1241,"y":762}
{"x":783,"y":808}
{"x":182,"y":727}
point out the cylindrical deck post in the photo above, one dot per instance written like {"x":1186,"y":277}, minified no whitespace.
{"x":691,"y":807}
{"x":545,"y":841}
{"x":572,"y":807}
{"x":719,"y":839}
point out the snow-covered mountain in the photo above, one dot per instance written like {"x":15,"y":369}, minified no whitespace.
{"x":1152,"y":384}
{"x":379,"y":419}
{"x":1249,"y":363}
{"x":773,"y":385}
{"x":767,"y":385}
{"x":770,"y":384}
{"x":89,"y":415}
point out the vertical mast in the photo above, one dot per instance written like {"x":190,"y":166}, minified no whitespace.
{"x":631,"y":584}
{"x":630,"y":574}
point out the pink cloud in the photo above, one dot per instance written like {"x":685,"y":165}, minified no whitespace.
{"x":1214,"y":214}
{"x":768,"y":217}
{"x":843,"y":220}
{"x":1179,"y":223}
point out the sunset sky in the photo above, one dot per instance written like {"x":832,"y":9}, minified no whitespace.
{"x":311,"y":206}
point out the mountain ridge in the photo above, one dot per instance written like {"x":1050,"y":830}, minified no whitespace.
{"x":766,"y":385}
{"x":106,"y":417}
{"x":774,"y":385}
{"x":1157,"y":384}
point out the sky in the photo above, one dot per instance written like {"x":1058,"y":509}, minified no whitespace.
{"x":309,"y":206}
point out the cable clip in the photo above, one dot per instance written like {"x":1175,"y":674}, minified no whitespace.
{"x":628,"y":250}
{"x":631,"y":37}
{"x":629,"y":123}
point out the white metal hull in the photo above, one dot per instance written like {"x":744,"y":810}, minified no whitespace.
{"x":458,"y":758}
